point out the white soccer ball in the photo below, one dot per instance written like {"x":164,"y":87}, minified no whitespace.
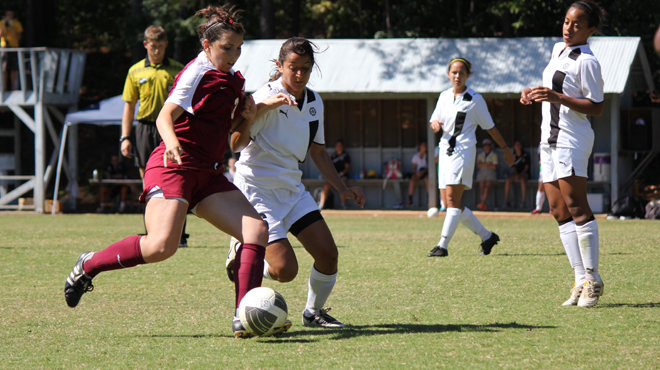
{"x":432,"y":212}
{"x":262,"y":311}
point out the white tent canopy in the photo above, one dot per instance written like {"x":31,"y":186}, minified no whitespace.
{"x":106,"y":112}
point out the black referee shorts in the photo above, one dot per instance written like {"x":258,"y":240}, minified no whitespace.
{"x":147,"y":139}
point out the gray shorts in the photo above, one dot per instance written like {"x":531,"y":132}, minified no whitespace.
{"x":147,"y":139}
{"x":486,"y":174}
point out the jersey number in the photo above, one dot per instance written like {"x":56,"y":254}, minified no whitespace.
{"x":235,"y":106}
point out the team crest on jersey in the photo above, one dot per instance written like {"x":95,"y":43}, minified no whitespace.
{"x":566,"y":66}
{"x":312,"y":111}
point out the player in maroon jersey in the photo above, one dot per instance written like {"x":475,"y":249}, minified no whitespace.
{"x":185,"y":172}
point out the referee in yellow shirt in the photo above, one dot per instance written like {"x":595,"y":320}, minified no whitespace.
{"x":149,"y":81}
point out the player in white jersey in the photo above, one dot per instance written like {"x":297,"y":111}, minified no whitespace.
{"x":289,"y":124}
{"x":572,"y":89}
{"x":459,"y":111}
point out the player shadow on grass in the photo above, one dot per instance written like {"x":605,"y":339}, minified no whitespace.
{"x":630,"y":305}
{"x":351,"y":331}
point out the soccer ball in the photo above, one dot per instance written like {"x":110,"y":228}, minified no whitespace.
{"x":432,"y":212}
{"x":262,"y":311}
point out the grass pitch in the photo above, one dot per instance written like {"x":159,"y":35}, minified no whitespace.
{"x":405,"y":310}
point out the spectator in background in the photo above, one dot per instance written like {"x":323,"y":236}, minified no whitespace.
{"x":520,"y":173}
{"x":116,"y":171}
{"x":342,"y":162}
{"x":487,"y":172}
{"x":11,"y":32}
{"x":231,"y":169}
{"x":420,"y":171}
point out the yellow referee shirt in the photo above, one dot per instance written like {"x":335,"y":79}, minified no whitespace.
{"x":150,"y":84}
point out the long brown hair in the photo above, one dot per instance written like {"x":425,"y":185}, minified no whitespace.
{"x":298,"y":45}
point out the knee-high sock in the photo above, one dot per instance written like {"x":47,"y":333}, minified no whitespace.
{"x":320,"y":286}
{"x":122,"y":254}
{"x":449,"y":226}
{"x":471,"y":222}
{"x":587,"y":235}
{"x":248,"y":269}
{"x":540,"y":198}
{"x":570,"y":240}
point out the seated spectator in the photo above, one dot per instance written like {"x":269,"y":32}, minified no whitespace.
{"x":420,"y":171}
{"x":520,"y":173}
{"x":342,"y":162}
{"x":486,"y":173}
{"x":115,"y":170}
{"x":231,"y":169}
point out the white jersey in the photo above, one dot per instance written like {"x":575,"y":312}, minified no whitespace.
{"x":575,"y":72}
{"x":460,"y":118}
{"x":418,"y":161}
{"x":280,"y":140}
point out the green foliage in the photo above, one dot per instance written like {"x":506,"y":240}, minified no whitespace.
{"x":405,"y":310}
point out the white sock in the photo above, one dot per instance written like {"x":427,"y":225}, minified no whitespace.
{"x":471,"y":222}
{"x":540,"y":198}
{"x":320,"y":286}
{"x":449,"y":226}
{"x":570,"y":240}
{"x":266,"y":272}
{"x":587,"y":235}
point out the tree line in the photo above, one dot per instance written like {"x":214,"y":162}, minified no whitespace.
{"x":111,"y":31}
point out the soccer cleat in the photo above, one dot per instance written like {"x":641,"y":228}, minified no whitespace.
{"x":438,"y":252}
{"x":239,"y":330}
{"x":284,"y":328}
{"x":234,"y":245}
{"x":536,"y":211}
{"x":591,"y":291}
{"x":322,"y":319}
{"x":481,"y":206}
{"x":488,"y":244}
{"x":78,"y":282}
{"x":575,"y":295}
{"x":183,"y":242}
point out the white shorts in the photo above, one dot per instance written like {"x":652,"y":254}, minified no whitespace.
{"x":457,"y":169}
{"x":280,"y":208}
{"x":558,"y":163}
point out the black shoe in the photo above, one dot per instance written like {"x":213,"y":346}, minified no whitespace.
{"x":321,"y":319}
{"x":183,"y":243}
{"x":438,"y":252}
{"x":239,"y":330}
{"x":488,"y":244}
{"x":78,"y":282}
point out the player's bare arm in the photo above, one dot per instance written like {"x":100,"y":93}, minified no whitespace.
{"x":326,"y":167}
{"x":165,"y":124}
{"x":585,"y":106}
{"x":126,"y":126}
{"x":497,"y":136}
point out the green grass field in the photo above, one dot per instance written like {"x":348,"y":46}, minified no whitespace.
{"x":405,"y":310}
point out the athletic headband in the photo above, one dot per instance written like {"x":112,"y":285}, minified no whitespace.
{"x":229,"y":21}
{"x":587,"y":5}
{"x":460,"y":60}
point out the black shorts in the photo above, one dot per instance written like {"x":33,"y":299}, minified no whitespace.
{"x":147,"y":139}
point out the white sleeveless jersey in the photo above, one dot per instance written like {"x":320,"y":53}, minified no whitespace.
{"x":280,"y":140}
{"x":575,"y":72}
{"x":460,"y":118}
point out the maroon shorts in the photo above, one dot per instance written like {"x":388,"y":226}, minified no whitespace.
{"x":193,"y":180}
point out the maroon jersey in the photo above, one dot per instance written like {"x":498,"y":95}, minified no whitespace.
{"x":211,"y":99}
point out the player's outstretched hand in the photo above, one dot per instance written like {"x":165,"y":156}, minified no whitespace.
{"x":173,"y":155}
{"x":279,"y":99}
{"x":356,"y":194}
{"x":249,"y":109}
{"x":508,"y":156}
{"x":524,"y":96}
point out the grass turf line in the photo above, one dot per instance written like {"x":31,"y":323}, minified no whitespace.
{"x":405,"y":310}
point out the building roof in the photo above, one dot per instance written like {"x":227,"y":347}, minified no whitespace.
{"x":500,"y":65}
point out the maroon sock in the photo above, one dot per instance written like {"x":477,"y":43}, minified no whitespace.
{"x":122,"y":254}
{"x":248,"y":269}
